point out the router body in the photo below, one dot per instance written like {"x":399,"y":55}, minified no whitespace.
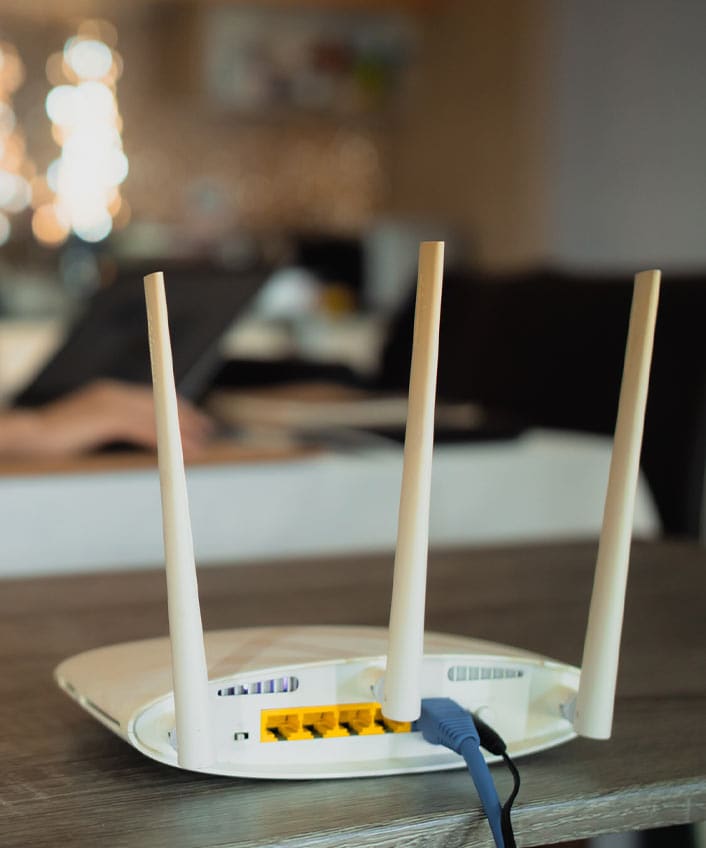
{"x":323,"y":702}
{"x":301,"y":702}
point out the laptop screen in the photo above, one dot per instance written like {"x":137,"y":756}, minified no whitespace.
{"x":110,"y":338}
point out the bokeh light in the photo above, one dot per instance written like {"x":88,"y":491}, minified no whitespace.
{"x":98,"y":29}
{"x":16,"y":170}
{"x":4,"y":228}
{"x":41,"y":193}
{"x":48,"y":227}
{"x":12,"y":72}
{"x":89,"y":59}
{"x":83,"y":108}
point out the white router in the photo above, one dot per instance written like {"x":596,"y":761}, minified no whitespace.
{"x":323,"y":702}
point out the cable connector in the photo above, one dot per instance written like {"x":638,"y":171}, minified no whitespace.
{"x":489,"y":739}
{"x":493,"y":742}
{"x":444,"y":722}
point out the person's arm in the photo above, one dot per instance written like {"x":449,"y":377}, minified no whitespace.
{"x":102,"y":412}
{"x":19,"y":429}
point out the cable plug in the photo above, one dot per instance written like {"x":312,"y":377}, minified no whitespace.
{"x":494,"y":743}
{"x":489,"y":738}
{"x":444,"y":722}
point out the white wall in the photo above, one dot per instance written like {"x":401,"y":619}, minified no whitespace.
{"x":627,"y":140}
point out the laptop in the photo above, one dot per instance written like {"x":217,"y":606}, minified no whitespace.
{"x":110,"y":338}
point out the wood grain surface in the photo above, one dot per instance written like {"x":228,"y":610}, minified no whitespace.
{"x":67,"y":781}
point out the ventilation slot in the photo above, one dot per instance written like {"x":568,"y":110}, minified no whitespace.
{"x":261,"y":687}
{"x":463,"y":673}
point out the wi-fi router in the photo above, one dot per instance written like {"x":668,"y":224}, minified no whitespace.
{"x":324,"y":702}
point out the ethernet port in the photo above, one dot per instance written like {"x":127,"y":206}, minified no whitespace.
{"x":390,"y":725}
{"x":360,"y":719}
{"x":284,"y":726}
{"x":323,"y":723}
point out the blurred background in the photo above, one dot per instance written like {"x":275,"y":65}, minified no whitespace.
{"x":546,"y":132}
{"x":556,"y":146}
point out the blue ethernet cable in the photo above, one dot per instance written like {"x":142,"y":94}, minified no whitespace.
{"x":444,"y":722}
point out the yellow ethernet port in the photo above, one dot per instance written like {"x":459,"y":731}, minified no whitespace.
{"x":327,"y":723}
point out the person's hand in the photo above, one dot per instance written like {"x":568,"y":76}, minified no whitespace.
{"x":104,"y":411}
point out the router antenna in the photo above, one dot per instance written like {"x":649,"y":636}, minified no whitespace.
{"x":596,"y":696}
{"x":402,"y":684}
{"x":189,"y":672}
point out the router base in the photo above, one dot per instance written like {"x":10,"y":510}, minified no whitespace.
{"x":299,"y":702}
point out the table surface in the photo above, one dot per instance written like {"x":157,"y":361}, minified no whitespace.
{"x":66,"y":780}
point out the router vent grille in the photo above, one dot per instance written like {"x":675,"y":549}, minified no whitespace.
{"x":463,"y":673}
{"x":262,"y":687}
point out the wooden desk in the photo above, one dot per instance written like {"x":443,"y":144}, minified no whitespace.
{"x":66,"y":781}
